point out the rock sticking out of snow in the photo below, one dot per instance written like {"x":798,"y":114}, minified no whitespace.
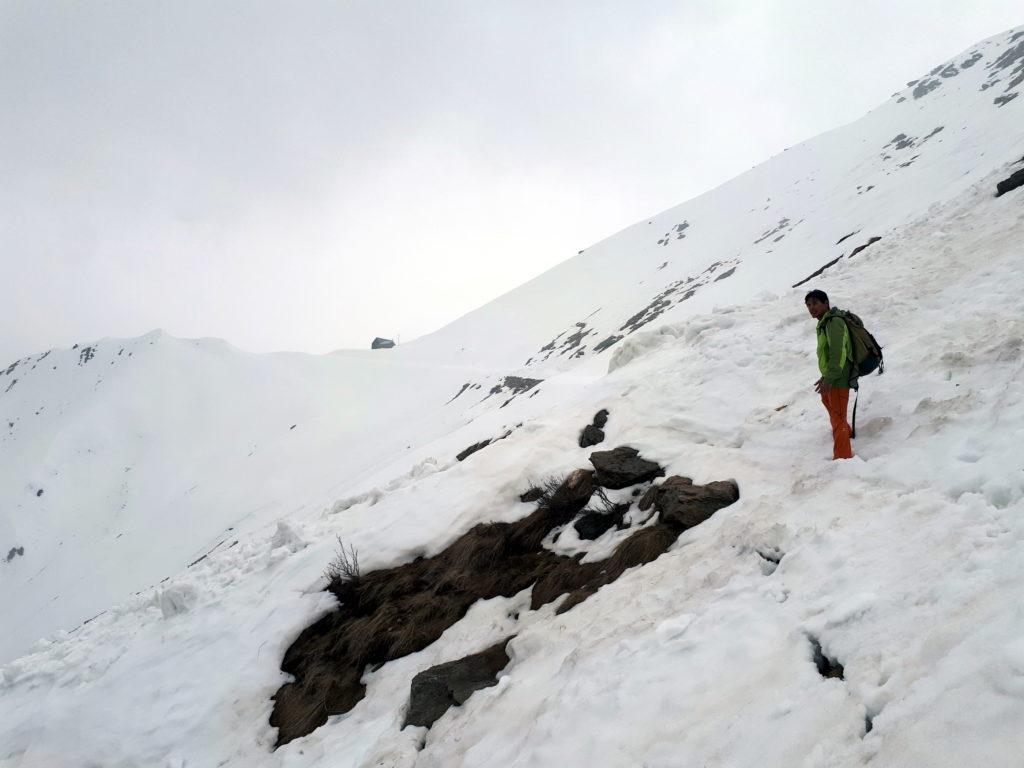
{"x":622,"y":467}
{"x":433,"y":691}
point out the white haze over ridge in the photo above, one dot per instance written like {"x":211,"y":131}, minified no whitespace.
{"x":306,"y":177}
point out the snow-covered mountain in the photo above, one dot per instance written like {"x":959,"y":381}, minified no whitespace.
{"x":169,"y":506}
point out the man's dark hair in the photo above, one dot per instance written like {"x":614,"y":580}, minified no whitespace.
{"x":817,"y":296}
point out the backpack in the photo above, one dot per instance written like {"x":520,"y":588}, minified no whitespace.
{"x":867,"y":352}
{"x":867,"y":356}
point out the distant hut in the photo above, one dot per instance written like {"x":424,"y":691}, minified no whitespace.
{"x":379,"y":343}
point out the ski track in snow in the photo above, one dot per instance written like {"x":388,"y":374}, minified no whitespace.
{"x":905,"y":564}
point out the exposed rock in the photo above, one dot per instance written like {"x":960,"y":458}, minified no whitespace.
{"x":827,"y":667}
{"x":968,"y":63}
{"x":531,"y":494}
{"x":622,"y":467}
{"x":465,"y":453}
{"x":465,"y":387}
{"x":434,"y":690}
{"x":924,"y":87}
{"x":593,"y":433}
{"x":661,"y":303}
{"x":390,"y":613}
{"x":727,"y":273}
{"x":516,"y":384}
{"x":15,"y":552}
{"x":818,"y":271}
{"x":593,"y":523}
{"x":901,"y":141}
{"x":681,"y":504}
{"x":578,"y":581}
{"x":379,"y":343}
{"x":1013,"y":181}
{"x":871,"y":241}
{"x":782,"y":226}
{"x":602,"y":346}
{"x":573,"y":493}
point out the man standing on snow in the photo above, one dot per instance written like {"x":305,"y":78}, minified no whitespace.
{"x":835,"y":361}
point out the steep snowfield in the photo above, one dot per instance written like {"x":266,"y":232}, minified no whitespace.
{"x":906,"y":563}
{"x":124,"y":461}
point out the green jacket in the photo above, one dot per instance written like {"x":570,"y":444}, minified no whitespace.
{"x":835,"y":351}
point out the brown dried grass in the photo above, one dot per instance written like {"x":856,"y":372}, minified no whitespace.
{"x":397,"y":611}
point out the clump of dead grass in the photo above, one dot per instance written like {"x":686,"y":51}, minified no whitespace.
{"x":386,"y":614}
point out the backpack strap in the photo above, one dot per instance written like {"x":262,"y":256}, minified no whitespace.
{"x":853,"y":425}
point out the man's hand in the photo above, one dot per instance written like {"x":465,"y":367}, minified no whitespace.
{"x":822,"y":386}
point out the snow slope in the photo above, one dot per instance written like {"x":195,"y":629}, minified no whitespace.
{"x":906,"y":563}
{"x":124,"y":461}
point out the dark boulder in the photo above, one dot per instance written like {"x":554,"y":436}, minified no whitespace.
{"x":622,"y":467}
{"x":1010,"y":183}
{"x":593,"y":523}
{"x":681,"y":504}
{"x":593,"y":433}
{"x":436,"y":689}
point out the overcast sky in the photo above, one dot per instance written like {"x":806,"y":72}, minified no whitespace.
{"x":307,"y":175}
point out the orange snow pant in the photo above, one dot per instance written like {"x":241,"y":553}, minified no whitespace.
{"x":836,"y":401}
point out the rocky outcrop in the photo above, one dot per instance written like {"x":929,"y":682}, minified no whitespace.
{"x":593,"y":523}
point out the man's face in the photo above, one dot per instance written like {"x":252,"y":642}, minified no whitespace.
{"x":817,"y":308}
